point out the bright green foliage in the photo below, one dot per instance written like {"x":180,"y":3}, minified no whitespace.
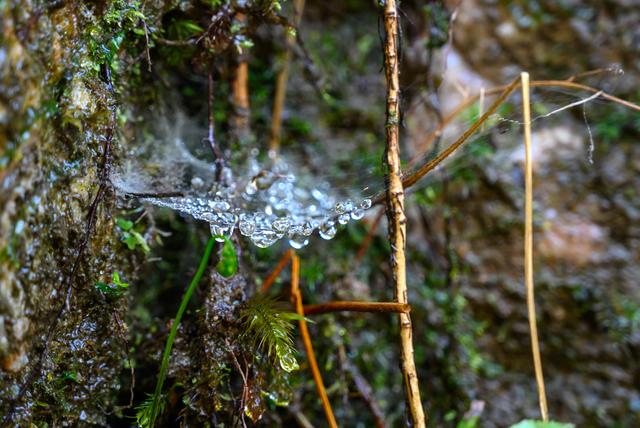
{"x":157,"y":404}
{"x":228,"y":264}
{"x":468,"y":423}
{"x":541,"y":424}
{"x":131,"y":237}
{"x":114,"y":289}
{"x":143,"y":411}
{"x":269,"y":327}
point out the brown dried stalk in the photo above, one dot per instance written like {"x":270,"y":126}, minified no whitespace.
{"x":339,"y":306}
{"x":274,"y":274}
{"x":395,"y":212}
{"x":240,"y":94}
{"x":281,"y":82}
{"x":528,"y":248}
{"x":296,"y":297}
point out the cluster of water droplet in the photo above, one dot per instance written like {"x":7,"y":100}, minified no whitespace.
{"x":267,"y":204}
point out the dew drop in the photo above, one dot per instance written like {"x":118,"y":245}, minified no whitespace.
{"x":327,"y":230}
{"x":265,"y":238}
{"x":357,"y":214}
{"x":365,"y":204}
{"x":281,"y":224}
{"x":344,"y":218}
{"x":298,"y":241}
{"x":247,"y":225}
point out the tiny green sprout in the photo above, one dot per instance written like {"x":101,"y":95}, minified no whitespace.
{"x":144,"y":409}
{"x":131,"y":237}
{"x":70,"y":376}
{"x":228,"y":264}
{"x":115,"y":288}
{"x":269,"y":326}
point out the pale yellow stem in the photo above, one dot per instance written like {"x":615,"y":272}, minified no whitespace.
{"x":528,"y":247}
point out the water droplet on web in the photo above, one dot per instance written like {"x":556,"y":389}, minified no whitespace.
{"x":281,"y":224}
{"x":267,"y":201}
{"x":344,"y":207}
{"x":246,"y":225}
{"x":357,"y":214}
{"x":308,"y":227}
{"x":327,"y":230}
{"x":344,"y":218}
{"x":265,"y":238}
{"x":298,"y":241}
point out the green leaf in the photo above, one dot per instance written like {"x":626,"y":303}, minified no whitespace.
{"x":228,"y":264}
{"x":540,"y":424}
{"x":468,"y":423}
{"x":116,"y":281}
{"x":124,"y":224}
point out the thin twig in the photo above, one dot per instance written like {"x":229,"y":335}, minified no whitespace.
{"x":274,"y":274}
{"x":396,"y":214}
{"x":528,"y":247}
{"x":412,"y":178}
{"x":340,"y":306}
{"x":281,"y":82}
{"x":493,"y":91}
{"x":245,"y":390}
{"x":304,"y":331}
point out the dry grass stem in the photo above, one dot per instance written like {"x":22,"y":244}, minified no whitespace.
{"x":528,"y":248}
{"x":281,"y":82}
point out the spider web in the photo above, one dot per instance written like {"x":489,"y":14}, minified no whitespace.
{"x":296,"y":195}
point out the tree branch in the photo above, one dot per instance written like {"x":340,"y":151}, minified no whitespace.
{"x":395,"y":212}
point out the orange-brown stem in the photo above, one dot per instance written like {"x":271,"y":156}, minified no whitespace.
{"x":339,"y":306}
{"x":296,"y":296}
{"x":274,"y":274}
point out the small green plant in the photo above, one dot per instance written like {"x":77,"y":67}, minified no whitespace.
{"x":157,"y":403}
{"x":540,"y":424}
{"x":269,"y":327}
{"x":143,"y":411}
{"x":228,"y":264}
{"x":116,"y":288}
{"x":131,"y":237}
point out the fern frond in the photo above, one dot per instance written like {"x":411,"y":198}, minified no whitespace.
{"x":269,"y":327}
